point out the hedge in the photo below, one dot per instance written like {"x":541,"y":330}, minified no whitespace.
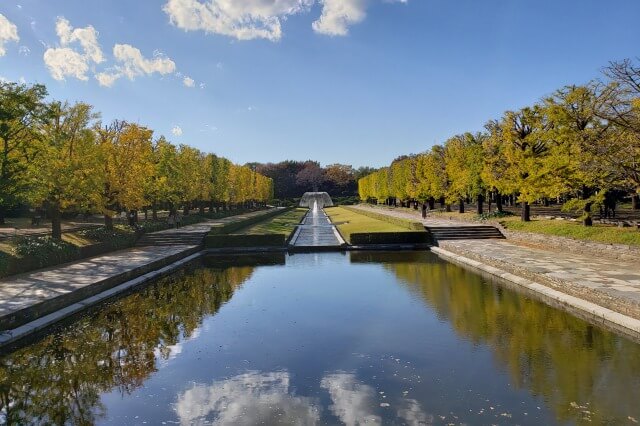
{"x":412,"y":237}
{"x":248,"y":240}
{"x":404,"y":223}
{"x":228,"y":228}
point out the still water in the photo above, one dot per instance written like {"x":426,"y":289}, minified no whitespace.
{"x":383,"y":338}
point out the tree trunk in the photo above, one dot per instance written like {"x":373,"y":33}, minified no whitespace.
{"x":2,"y":221}
{"x":185,"y":210}
{"x":587,"y":219}
{"x":108,"y":222}
{"x":546,"y":202}
{"x":56,"y":222}
{"x":154,"y":212}
{"x":432,"y":203}
{"x":447,"y":208}
{"x":201,"y":211}
{"x":442,"y":203}
{"x":480,"y":201}
{"x":461,"y":206}
{"x":635,"y":202}
{"x":498,"y":201}
{"x":526,"y":212}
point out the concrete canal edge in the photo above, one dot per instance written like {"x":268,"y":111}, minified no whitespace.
{"x":10,"y":337}
{"x":579,"y":307}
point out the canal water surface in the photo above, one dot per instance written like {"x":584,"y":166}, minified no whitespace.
{"x":356,"y":338}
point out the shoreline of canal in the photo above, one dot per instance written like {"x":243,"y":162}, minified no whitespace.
{"x":580,"y":307}
{"x":577,"y":306}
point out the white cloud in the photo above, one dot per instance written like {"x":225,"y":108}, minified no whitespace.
{"x":337,"y":15}
{"x":64,"y":61}
{"x":189,"y":82}
{"x":24,"y":50}
{"x":202,"y":85}
{"x":8,"y":32}
{"x":87,"y":37}
{"x":177,"y":131}
{"x":131,"y":64}
{"x":246,"y":399}
{"x":106,"y":79}
{"x":244,"y":20}
{"x":68,"y":60}
{"x":252,"y":19}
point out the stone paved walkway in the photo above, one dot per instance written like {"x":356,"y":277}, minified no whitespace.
{"x":22,"y":291}
{"x":316,"y":231}
{"x":612,"y":283}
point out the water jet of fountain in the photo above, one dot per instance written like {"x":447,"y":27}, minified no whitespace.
{"x":315,"y":208}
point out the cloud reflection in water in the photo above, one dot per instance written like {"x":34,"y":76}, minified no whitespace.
{"x":255,"y":397}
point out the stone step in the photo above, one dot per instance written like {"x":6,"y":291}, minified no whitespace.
{"x":171,"y":238}
{"x":477,"y":232}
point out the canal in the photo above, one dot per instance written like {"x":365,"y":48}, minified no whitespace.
{"x":331,"y":338}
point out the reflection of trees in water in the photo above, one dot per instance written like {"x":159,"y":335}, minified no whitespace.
{"x":59,"y":379}
{"x":553,"y":354}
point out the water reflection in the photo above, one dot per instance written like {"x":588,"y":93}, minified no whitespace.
{"x":268,"y":398}
{"x":584,"y":373}
{"x":247,"y":399}
{"x":60,"y":379}
{"x":375,"y":338}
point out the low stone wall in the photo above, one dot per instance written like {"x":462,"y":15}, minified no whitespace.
{"x":409,"y":237}
{"x":589,"y":248}
{"x":245,"y":240}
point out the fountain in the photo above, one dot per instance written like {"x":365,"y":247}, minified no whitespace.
{"x":321,"y":199}
{"x":316,"y":229}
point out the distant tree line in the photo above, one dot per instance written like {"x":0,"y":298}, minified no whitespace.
{"x":61,"y":158}
{"x":293,"y":178}
{"x":580,"y":145}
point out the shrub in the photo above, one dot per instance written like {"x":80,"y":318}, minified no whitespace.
{"x":119,"y":237}
{"x":494,"y":215}
{"x":45,"y":249}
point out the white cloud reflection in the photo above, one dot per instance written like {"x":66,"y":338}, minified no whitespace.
{"x":247,"y":399}
{"x":267,"y":398}
{"x":352,"y":402}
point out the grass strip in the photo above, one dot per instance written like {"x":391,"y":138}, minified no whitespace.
{"x":601,"y":233}
{"x":350,"y":221}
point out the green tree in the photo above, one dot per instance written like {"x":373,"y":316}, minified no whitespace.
{"x":22,"y":113}
{"x":67,"y":176}
{"x":463,"y":159}
{"x":575,"y":135}
{"x":525,"y":148}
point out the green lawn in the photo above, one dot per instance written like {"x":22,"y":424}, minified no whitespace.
{"x":349,"y":222}
{"x":282,"y":224}
{"x":564,"y":228}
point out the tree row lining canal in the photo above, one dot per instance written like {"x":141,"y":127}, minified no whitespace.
{"x":324,"y":338}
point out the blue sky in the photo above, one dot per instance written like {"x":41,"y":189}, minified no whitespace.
{"x":351,"y":81}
